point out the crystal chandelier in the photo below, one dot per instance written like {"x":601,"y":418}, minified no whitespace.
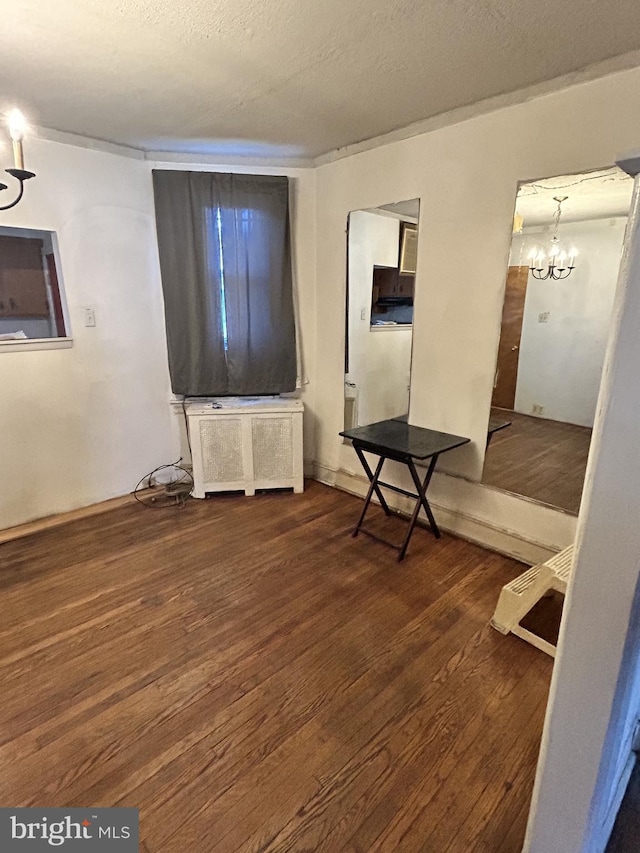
{"x":17,"y":128}
{"x":556,"y":264}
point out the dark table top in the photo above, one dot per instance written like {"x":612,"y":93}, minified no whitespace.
{"x":496,"y":424}
{"x":399,"y":437}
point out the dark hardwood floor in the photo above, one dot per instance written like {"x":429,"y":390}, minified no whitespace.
{"x":540,"y":459}
{"x":253,"y":679}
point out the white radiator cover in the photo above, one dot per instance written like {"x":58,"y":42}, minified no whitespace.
{"x":245,"y":443}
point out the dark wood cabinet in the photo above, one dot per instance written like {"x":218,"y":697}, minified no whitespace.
{"x":388,"y":282}
{"x":385,"y":282}
{"x":406,"y":285}
{"x":23,"y":290}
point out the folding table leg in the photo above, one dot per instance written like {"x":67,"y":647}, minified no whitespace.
{"x":421,"y":488}
{"x":372,"y":487}
{"x":373,"y":478}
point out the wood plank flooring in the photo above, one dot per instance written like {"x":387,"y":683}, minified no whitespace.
{"x":253,"y":679}
{"x":540,"y":459}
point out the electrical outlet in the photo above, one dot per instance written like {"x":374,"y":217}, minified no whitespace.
{"x":537,"y":409}
{"x":89,"y":317}
{"x":543,"y":317}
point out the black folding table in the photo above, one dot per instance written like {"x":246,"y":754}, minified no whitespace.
{"x":395,"y":439}
{"x":495,"y":425}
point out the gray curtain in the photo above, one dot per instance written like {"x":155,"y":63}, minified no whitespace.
{"x":226,"y":277}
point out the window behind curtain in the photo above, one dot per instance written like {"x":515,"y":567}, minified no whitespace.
{"x":226,"y":276}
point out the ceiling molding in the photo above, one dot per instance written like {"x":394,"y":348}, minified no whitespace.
{"x":80,"y":141}
{"x":607,"y":68}
{"x":218,"y":160}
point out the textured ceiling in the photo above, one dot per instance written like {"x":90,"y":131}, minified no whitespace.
{"x":591,"y":195}
{"x":286,"y":77}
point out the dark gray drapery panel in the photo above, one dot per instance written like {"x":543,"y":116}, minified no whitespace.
{"x":226,"y":277}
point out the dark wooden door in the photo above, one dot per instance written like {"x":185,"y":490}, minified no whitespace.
{"x":504,"y":391}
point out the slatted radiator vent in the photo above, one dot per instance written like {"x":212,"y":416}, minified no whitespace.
{"x":521,"y":595}
{"x":221,"y":449}
{"x":272,"y":442}
{"x":244,"y":444}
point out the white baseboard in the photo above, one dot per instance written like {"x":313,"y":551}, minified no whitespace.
{"x":462,"y":524}
{"x":8,"y":534}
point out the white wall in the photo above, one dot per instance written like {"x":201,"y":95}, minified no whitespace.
{"x":466,"y":177}
{"x":379,"y":357}
{"x":595,"y":691}
{"x":84,"y":424}
{"x":561,"y":359}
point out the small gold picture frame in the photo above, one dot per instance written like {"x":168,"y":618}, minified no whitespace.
{"x":408,"y":249}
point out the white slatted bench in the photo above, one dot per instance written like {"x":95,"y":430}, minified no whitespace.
{"x":522,"y":594}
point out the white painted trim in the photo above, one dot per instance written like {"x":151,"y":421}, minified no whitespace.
{"x":33,"y":344}
{"x":221,"y":160}
{"x":616,"y":64}
{"x":80,"y":141}
{"x":522,"y":498}
{"x":175,"y":157}
{"x":462,"y":524}
{"x":47,"y":522}
{"x":592,"y":711}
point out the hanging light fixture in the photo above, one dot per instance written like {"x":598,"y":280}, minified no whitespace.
{"x":17,"y":127}
{"x":556,"y":264}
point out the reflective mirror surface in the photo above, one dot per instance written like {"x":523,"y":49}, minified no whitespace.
{"x":381,"y":264}
{"x":559,"y":295}
{"x":31,"y":296}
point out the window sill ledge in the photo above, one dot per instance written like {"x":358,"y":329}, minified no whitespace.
{"x":31,"y":344}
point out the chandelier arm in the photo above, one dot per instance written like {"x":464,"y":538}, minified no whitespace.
{"x":21,"y":175}
{"x":564,"y":273}
{"x":15,"y":201}
{"x":555,"y":271}
{"x":537,"y":274}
